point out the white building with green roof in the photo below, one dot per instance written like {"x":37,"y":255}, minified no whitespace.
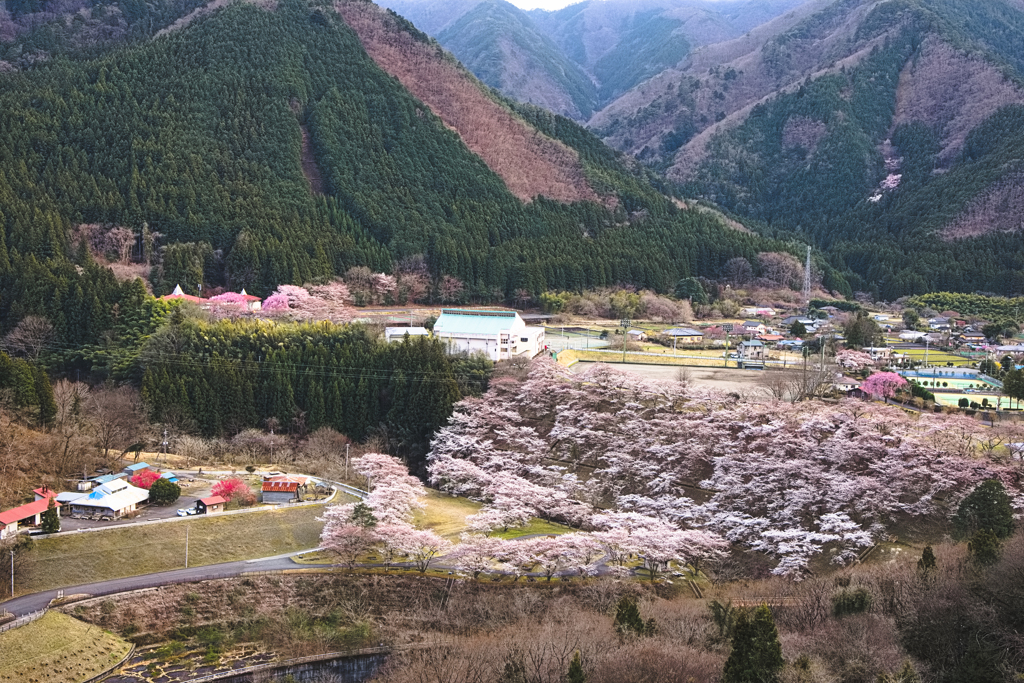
{"x":499,"y":334}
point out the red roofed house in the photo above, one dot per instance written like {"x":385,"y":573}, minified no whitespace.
{"x":178,"y":293}
{"x":280,"y":491}
{"x":206,"y":506}
{"x":29,"y":514}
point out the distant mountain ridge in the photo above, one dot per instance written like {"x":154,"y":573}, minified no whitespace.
{"x":577,"y":59}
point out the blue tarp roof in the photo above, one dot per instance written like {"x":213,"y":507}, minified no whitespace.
{"x":137,"y":467}
{"x":474,"y":322}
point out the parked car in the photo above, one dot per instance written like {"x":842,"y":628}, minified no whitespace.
{"x":185,"y":512}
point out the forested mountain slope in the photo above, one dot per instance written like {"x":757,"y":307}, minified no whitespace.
{"x":193,"y":141}
{"x":577,"y":59}
{"x":879,"y":130}
{"x":501,"y":45}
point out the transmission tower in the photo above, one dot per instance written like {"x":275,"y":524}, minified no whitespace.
{"x":807,"y":280}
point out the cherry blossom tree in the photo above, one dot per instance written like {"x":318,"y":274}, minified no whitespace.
{"x":422,"y":546}
{"x":849,"y":359}
{"x":883,"y":384}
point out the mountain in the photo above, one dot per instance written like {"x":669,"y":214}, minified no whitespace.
{"x":501,"y":45}
{"x":577,"y":59}
{"x":252,"y":145}
{"x":868,"y":128}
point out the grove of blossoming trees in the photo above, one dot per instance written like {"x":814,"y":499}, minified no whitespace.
{"x":790,"y":480}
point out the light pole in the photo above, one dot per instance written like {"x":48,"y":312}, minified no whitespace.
{"x":12,"y":575}
{"x":186,"y":547}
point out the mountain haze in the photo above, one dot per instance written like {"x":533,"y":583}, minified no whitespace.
{"x":575,"y":60}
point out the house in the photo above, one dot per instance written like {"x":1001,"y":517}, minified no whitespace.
{"x":684,"y":335}
{"x":170,"y":476}
{"x":113,"y":500}
{"x":802,"y":319}
{"x":911,"y":335}
{"x":636,"y":335}
{"x":971,"y":337}
{"x":30,"y":514}
{"x":883,"y":353}
{"x":397,"y":334}
{"x":501,"y":335}
{"x":759,"y":311}
{"x":280,"y":491}
{"x":750,"y":354}
{"x":179,"y":295}
{"x":846,"y":384}
{"x":210,"y":505}
{"x":754,"y":328}
{"x":252,"y":303}
{"x":771,"y":338}
{"x":132,"y":470}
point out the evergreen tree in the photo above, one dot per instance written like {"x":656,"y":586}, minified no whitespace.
{"x":164,"y":492}
{"x":927,"y":565}
{"x":984,"y":547}
{"x":987,"y":507}
{"x":756,"y":655}
{"x":628,"y":619}
{"x":44,"y":395}
{"x":576,"y":673}
{"x":798,"y":329}
{"x":50,"y":518}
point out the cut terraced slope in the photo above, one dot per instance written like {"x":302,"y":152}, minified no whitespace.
{"x":529,"y":162}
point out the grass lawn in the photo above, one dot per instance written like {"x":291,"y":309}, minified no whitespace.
{"x":57,"y":648}
{"x":536,"y":526}
{"x":444,"y":514}
{"x":936,"y":357}
{"x":129,"y":551}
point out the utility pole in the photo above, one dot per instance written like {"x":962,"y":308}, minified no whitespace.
{"x":346,"y":462}
{"x":12,"y":575}
{"x":186,"y":546}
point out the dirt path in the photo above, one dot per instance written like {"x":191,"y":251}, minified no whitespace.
{"x":723,"y":379}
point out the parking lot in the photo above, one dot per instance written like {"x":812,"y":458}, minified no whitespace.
{"x":191,"y":491}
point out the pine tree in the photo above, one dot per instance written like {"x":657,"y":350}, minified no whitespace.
{"x":756,"y":655}
{"x":628,"y":619}
{"x":986,"y":507}
{"x":576,"y":674}
{"x":50,"y":518}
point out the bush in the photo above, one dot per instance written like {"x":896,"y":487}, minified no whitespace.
{"x":851,"y":602}
{"x":164,"y":492}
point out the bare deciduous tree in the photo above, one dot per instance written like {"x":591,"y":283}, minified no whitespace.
{"x":115,"y":416}
{"x":30,"y":336}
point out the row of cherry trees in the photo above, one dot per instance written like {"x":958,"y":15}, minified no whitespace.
{"x":791,"y":480}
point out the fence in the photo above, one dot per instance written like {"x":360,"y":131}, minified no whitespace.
{"x":22,"y":620}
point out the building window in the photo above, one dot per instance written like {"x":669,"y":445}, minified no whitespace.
{"x":524,"y":339}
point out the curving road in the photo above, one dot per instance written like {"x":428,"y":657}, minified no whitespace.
{"x":34,"y":602}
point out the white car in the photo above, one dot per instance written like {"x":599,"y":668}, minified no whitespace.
{"x":185,"y":512}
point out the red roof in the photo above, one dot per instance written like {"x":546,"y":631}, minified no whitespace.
{"x":212,"y":500}
{"x":186,"y":297}
{"x":45,"y":492}
{"x":25,"y":511}
{"x":771,"y":337}
{"x":281,"y":486}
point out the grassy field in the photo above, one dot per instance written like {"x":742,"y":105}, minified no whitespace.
{"x":57,"y":648}
{"x":936,"y":357}
{"x":129,"y":551}
{"x":447,"y":516}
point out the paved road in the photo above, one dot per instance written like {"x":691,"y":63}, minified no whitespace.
{"x":37,"y":601}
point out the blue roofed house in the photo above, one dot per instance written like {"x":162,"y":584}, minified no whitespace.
{"x":112,"y":500}
{"x":499,"y":334}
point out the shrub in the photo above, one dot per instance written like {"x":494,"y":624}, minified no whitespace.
{"x":851,"y":602}
{"x":164,"y":492}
